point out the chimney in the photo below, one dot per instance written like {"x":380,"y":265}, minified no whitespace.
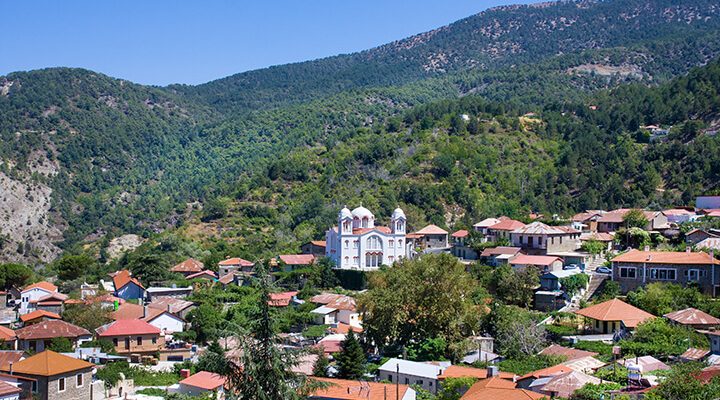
{"x":184,"y":373}
{"x":647,"y":248}
{"x":11,"y":367}
{"x":169,"y":309}
{"x":492,"y":370}
{"x":688,"y":249}
{"x":144,"y":311}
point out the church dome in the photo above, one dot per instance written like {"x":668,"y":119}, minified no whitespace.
{"x":345,"y":213}
{"x":362,"y":212}
{"x":398,"y":213}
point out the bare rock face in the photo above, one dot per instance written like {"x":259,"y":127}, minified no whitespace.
{"x":122,"y":244}
{"x":27,"y":231}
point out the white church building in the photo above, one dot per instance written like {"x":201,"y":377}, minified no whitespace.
{"x":356,"y":243}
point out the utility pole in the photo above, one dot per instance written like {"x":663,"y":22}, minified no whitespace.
{"x":397,"y":381}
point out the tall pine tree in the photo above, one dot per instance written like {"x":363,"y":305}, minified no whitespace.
{"x":351,"y":359}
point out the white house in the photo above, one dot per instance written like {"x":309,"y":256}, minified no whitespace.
{"x":31,"y":294}
{"x":356,"y":243}
{"x":421,"y":374}
{"x":167,"y":322}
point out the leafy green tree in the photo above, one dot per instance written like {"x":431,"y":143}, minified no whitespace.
{"x":573,"y":283}
{"x":593,"y":246}
{"x":429,"y":297}
{"x":88,"y":316}
{"x":592,"y":391}
{"x":515,"y":287}
{"x":351,"y":358}
{"x":433,"y":349}
{"x":15,"y":275}
{"x":321,"y":365}
{"x":610,"y":290}
{"x":454,"y":388}
{"x":205,"y":321}
{"x":264,"y":369}
{"x":61,"y":345}
{"x":635,"y":219}
{"x":71,"y":267}
{"x":516,"y":331}
{"x":322,"y":275}
{"x":214,"y":209}
{"x":659,"y":298}
{"x":657,"y":337}
{"x":213,"y":360}
{"x":682,"y":383}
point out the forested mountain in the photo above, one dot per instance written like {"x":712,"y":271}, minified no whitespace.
{"x":85,"y":157}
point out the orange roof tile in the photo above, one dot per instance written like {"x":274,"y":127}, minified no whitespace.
{"x":204,"y":380}
{"x":549,"y":371}
{"x":507,"y":225}
{"x":692,"y":316}
{"x":281,"y":299}
{"x":459,"y":371}
{"x":7,"y":334}
{"x":189,"y":265}
{"x":616,"y":310}
{"x":381,"y":229}
{"x":227,"y":278}
{"x":202,"y":274}
{"x":127,"y":327}
{"x":38,"y":314}
{"x":128,"y":311}
{"x":666,"y":257}
{"x":10,"y":356}
{"x":498,"y":389}
{"x":460,"y":234}
{"x":297,"y":259}
{"x":432,"y":230}
{"x":7,"y":389}
{"x":343,"y":389}
{"x":42,"y":285}
{"x":494,"y":251}
{"x":51,"y":329}
{"x":122,"y":278}
{"x":49,"y":363}
{"x":236,"y":261}
{"x":319,"y":243}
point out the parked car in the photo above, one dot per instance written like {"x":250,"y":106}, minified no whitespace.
{"x":570,"y":266}
{"x":603,"y":270}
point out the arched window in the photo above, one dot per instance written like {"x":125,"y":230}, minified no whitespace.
{"x":347,"y":260}
{"x":373,"y":243}
{"x":365,"y":222}
{"x":399,"y":226}
{"x":347,"y":244}
{"x":400,"y":243}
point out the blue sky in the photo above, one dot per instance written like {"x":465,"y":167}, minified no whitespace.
{"x":162,"y":41}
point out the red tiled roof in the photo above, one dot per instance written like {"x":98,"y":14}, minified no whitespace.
{"x":7,"y":334}
{"x":345,"y":328}
{"x":459,"y":371}
{"x":297,"y":259}
{"x":498,"y":389}
{"x":495,"y":251}
{"x":666,"y":257}
{"x":174,"y":305}
{"x":708,"y":374}
{"x":460,"y":234}
{"x":616,"y":310}
{"x":10,"y":356}
{"x":204,"y":380}
{"x":122,"y":278}
{"x":49,"y":298}
{"x":42,"y":285}
{"x":38,"y":314}
{"x":584,"y":216}
{"x":693,"y":354}
{"x":507,"y":225}
{"x":329,"y":346}
{"x":7,"y":389}
{"x":227,"y":278}
{"x":127,"y":327}
{"x":189,"y":265}
{"x":599,"y":236}
{"x":549,"y":371}
{"x":202,"y":274}
{"x":612,"y":217}
{"x":128,"y":311}
{"x":381,"y":229}
{"x":432,"y":230}
{"x":342,"y":389}
{"x":281,"y":299}
{"x":51,"y":329}
{"x":336,"y":301}
{"x":319,"y":243}
{"x":569,"y":353}
{"x":236,"y":261}
{"x":50,"y":363}
{"x":524,"y":259}
{"x":692,"y":316}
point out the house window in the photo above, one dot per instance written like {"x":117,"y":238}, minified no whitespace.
{"x":139,"y":340}
{"x":419,"y":382}
{"x":391,"y":243}
{"x":663,"y":274}
{"x":61,"y":385}
{"x":355,"y":244}
{"x":347,"y":244}
{"x":154,"y":340}
{"x":530,"y":241}
{"x":115,"y":342}
{"x":407,"y":381}
{"x":347,"y":260}
{"x":373,"y":243}
{"x":34,"y":387}
{"x":628,"y":272}
{"x":79,"y":380}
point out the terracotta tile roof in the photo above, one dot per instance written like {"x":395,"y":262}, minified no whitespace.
{"x":50,"y":363}
{"x":524,"y":259}
{"x":42,"y":285}
{"x":325,"y":298}
{"x":549,"y":371}
{"x":345,"y":328}
{"x":204,"y":380}
{"x":569,"y":353}
{"x":507,"y":225}
{"x":329,"y":346}
{"x":236,"y":261}
{"x":498,"y":389}
{"x":152,"y":313}
{"x":678,"y":211}
{"x":432,"y":230}
{"x":227,"y":278}
{"x":666,"y":257}
{"x":127,"y":327}
{"x":10,"y":356}
{"x":319,"y":243}
{"x":381,"y":229}
{"x":460,"y":234}
{"x":487,"y":222}
{"x":584,"y":216}
{"x":413,"y":236}
{"x":122,"y":278}
{"x":708,"y":373}
{"x":599,"y":236}
{"x":616,"y":310}
{"x":281,"y":299}
{"x":128,"y":311}
{"x":38,"y":314}
{"x":7,"y":334}
{"x":202,"y":274}
{"x":176,"y":305}
{"x":459,"y":371}
{"x":51,"y":329}
{"x":612,"y":217}
{"x":297,"y":259}
{"x":7,"y":389}
{"x":336,"y":301}
{"x":189,"y":265}
{"x":342,"y":389}
{"x":50,"y":298}
{"x":494,"y":251}
{"x":692,"y":316}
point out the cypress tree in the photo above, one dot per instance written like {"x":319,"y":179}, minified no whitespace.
{"x":351,"y":359}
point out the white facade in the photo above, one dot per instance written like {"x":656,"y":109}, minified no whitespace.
{"x":30,"y":295}
{"x":167,"y":323}
{"x":356,"y":243}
